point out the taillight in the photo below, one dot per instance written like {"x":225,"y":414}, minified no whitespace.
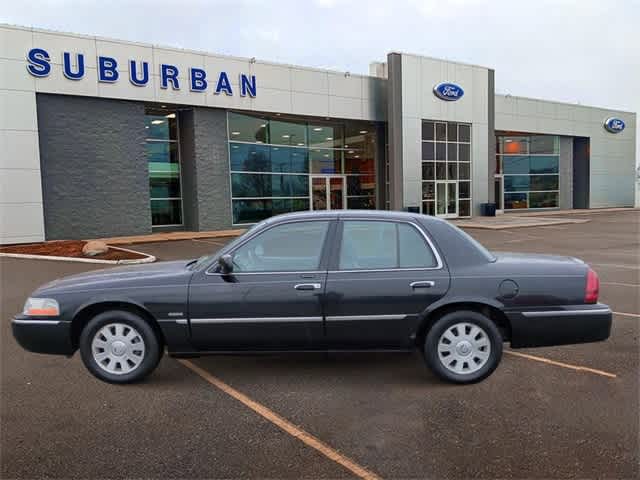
{"x":593,"y":287}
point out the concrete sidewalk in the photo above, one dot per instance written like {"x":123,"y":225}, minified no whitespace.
{"x":170,"y":236}
{"x":500,"y":222}
{"x":503,"y":222}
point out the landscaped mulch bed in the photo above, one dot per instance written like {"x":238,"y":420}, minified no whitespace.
{"x":69,"y":248}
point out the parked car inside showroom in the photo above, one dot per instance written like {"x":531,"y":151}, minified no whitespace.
{"x":343,"y":280}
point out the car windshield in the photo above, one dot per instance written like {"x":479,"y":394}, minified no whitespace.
{"x":205,"y":260}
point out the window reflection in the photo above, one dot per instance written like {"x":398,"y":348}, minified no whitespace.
{"x":162,"y":153}
{"x":530,"y":165}
{"x":261,"y":145}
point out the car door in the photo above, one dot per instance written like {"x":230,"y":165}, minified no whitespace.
{"x":383,"y":276}
{"x":273,"y":298}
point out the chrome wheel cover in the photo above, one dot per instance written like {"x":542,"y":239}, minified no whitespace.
{"x":118,"y":348}
{"x":464,"y":348}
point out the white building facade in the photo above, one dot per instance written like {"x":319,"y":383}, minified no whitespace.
{"x":102,"y":137}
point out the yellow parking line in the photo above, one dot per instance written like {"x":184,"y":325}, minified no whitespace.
{"x":283,"y":424}
{"x":627,"y":314}
{"x":561,"y":364}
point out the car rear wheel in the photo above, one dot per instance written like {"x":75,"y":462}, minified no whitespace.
{"x":463,"y":347}
{"x":119,"y":347}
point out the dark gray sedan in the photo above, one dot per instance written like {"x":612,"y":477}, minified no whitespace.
{"x":331,"y":281}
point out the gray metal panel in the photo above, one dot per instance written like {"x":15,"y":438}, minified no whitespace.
{"x":188,"y":170}
{"x":211,"y":162}
{"x":566,"y":173}
{"x":580,"y":172}
{"x":491,"y":163}
{"x":394,"y":119}
{"x":95,"y":179}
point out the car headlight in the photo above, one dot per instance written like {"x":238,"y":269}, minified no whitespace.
{"x":41,"y":307}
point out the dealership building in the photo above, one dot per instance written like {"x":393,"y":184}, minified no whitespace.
{"x":102,"y":137}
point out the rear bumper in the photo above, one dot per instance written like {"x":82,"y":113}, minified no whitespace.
{"x":560,"y":325}
{"x":43,"y":336}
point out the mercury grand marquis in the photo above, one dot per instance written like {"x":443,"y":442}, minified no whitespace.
{"x":322,"y":281}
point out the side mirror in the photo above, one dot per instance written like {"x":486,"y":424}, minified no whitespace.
{"x":226,"y":264}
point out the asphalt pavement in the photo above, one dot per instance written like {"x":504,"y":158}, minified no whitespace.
{"x":384,"y":412}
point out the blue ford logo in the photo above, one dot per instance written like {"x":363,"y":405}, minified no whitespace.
{"x":614,"y":125}
{"x":448,"y":91}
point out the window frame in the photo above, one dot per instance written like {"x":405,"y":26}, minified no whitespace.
{"x":322,"y":266}
{"x":334,"y":267}
{"x":169,"y":141}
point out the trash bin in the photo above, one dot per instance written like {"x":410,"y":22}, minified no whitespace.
{"x":488,"y":209}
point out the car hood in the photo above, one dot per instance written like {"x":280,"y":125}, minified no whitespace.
{"x":125,"y":276}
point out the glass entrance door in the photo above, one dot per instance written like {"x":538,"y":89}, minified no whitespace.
{"x":447,"y":199}
{"x":328,"y":192}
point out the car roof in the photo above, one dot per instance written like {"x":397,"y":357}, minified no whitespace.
{"x":373,"y":214}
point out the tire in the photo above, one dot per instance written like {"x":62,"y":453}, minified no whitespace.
{"x":119,"y":347}
{"x":478,"y":347}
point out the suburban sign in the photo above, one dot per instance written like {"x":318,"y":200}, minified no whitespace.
{"x":109,"y":71}
{"x":614,"y":125}
{"x":448,"y":91}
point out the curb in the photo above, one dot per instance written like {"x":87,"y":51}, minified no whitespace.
{"x":131,"y":261}
{"x":482,"y":226}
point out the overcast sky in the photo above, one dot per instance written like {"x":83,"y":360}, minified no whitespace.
{"x":585,"y":51}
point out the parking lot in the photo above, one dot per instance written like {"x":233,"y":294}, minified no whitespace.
{"x":561,"y":412}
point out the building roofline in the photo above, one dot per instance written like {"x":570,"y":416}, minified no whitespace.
{"x":465,"y":64}
{"x":183,"y":50}
{"x":573,"y":104}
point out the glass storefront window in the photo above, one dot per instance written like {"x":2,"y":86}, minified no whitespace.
{"x":254,"y":211}
{"x":544,"y":164}
{"x":163,"y":160}
{"x":464,"y":172}
{"x":540,"y":144}
{"x":269,"y":185}
{"x":325,"y":161}
{"x":543,"y":199}
{"x":446,"y":157}
{"x":358,"y":185}
{"x":515,"y":164}
{"x":272,"y":157}
{"x":513,"y":145}
{"x":428,"y":131}
{"x":166,"y":212}
{"x":288,"y":133}
{"x":428,"y":171}
{"x":325,"y":136}
{"x":464,"y":152}
{"x":515,"y":201}
{"x":530,"y":169}
{"x":464,"y":133}
{"x":246,"y":157}
{"x":246,"y":128}
{"x":161,"y":126}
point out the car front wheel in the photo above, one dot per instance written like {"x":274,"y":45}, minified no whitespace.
{"x":119,"y":347}
{"x":463,"y":347}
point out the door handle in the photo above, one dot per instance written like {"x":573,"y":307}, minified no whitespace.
{"x":308,"y":286}
{"x":424,"y":284}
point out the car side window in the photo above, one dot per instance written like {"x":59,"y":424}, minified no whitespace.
{"x":368,"y":245}
{"x":289,"y":247}
{"x":414,"y":251}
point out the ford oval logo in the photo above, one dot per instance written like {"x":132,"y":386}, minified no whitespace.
{"x":448,"y":91}
{"x":614,"y":125}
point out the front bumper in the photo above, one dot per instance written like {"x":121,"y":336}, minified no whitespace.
{"x":43,"y":335}
{"x":563,"y":325}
